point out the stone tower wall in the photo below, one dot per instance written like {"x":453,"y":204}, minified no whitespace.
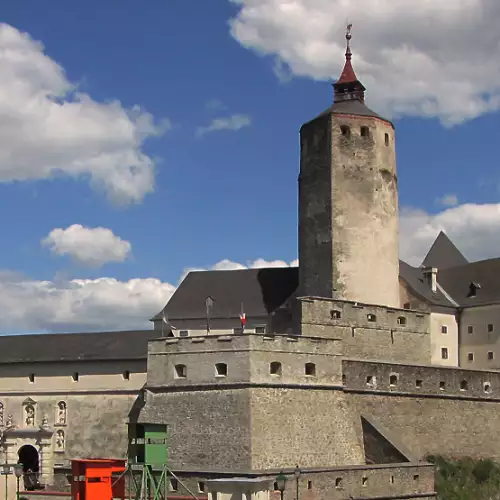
{"x":348,"y":210}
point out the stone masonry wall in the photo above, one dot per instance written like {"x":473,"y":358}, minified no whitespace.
{"x":314,"y":428}
{"x":368,"y":331}
{"x":247,"y":359}
{"x":431,"y":410}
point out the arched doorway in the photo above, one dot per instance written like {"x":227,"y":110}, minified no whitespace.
{"x":28,"y":456}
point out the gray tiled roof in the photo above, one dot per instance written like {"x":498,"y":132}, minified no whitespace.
{"x":351,"y":107}
{"x":444,"y":254}
{"x":95,"y":346}
{"x":486,"y":273}
{"x":414,"y":277}
{"x":260,"y":290}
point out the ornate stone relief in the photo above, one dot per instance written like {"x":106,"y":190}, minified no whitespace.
{"x":60,"y":440}
{"x":61,"y":413}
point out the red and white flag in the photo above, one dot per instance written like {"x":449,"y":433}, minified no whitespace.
{"x":243,"y":318}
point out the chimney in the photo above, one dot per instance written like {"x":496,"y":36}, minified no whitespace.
{"x":430,"y":274}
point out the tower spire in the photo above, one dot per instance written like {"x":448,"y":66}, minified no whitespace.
{"x":348,"y":87}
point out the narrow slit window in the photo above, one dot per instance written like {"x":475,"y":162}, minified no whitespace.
{"x":76,"y":376}
{"x":31,"y":377}
{"x":387,"y":139}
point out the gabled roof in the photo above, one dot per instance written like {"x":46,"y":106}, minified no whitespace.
{"x":415,"y":279}
{"x":97,"y":346}
{"x":444,"y":254}
{"x":485,"y":274}
{"x":260,"y":290}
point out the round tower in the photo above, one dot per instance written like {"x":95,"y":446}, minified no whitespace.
{"x":348,"y":200}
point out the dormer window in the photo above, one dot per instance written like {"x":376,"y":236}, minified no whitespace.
{"x":473,"y":288}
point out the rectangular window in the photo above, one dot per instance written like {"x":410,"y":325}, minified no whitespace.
{"x":490,"y":355}
{"x":32,"y":377}
{"x":470,"y":330}
{"x":201,"y":487}
{"x":260,"y":329}
{"x":490,"y":328}
{"x":183,"y":333}
{"x":444,"y":329}
{"x":174,"y":485}
{"x":444,"y":353}
{"x":470,"y":356}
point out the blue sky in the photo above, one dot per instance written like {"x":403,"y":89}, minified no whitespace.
{"x":227,"y":194}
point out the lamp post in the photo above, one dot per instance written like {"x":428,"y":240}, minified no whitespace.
{"x":18,"y":471}
{"x":281,"y":483}
{"x":297,"y":473}
{"x":6,"y":472}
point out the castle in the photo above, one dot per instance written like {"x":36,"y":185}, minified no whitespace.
{"x":355,"y":366}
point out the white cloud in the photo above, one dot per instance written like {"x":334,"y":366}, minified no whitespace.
{"x":89,"y":246}
{"x":79,"y":305}
{"x":233,"y":123}
{"x":475,"y":230}
{"x":48,"y":128}
{"x":448,"y":200}
{"x":427,"y":58}
{"x":84,"y":304}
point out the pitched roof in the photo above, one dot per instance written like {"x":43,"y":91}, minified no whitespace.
{"x":444,"y":254}
{"x":94,"y":346}
{"x":415,"y":279}
{"x":260,"y":290}
{"x":485,"y":273}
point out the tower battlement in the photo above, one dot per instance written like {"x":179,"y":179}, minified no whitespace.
{"x":250,"y":359}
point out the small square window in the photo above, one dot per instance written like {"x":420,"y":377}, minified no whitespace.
{"x":335,"y":314}
{"x":76,"y":377}
{"x":364,"y":481}
{"x":490,"y":328}
{"x":470,"y":330}
{"x":31,"y":377}
{"x":371,"y":318}
{"x":401,"y":320}
{"x":444,"y":329}
{"x":418,"y":384}
{"x":221,"y":370}
{"x":338,"y":482}
{"x":444,"y":353}
{"x":442,"y":385}
{"x":310,"y":369}
{"x":490,"y":355}
{"x":180,"y":371}
{"x":365,"y":131}
{"x":126,"y":375}
{"x":470,"y":357}
{"x":416,"y":477}
{"x":201,"y":487}
{"x":275,"y":368}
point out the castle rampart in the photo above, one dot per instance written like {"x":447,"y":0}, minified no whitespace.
{"x":233,"y":360}
{"x":368,"y":331}
{"x":423,"y":415}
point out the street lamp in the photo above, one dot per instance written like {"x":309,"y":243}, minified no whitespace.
{"x":281,"y":483}
{"x":297,"y":473}
{"x":18,"y":471}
